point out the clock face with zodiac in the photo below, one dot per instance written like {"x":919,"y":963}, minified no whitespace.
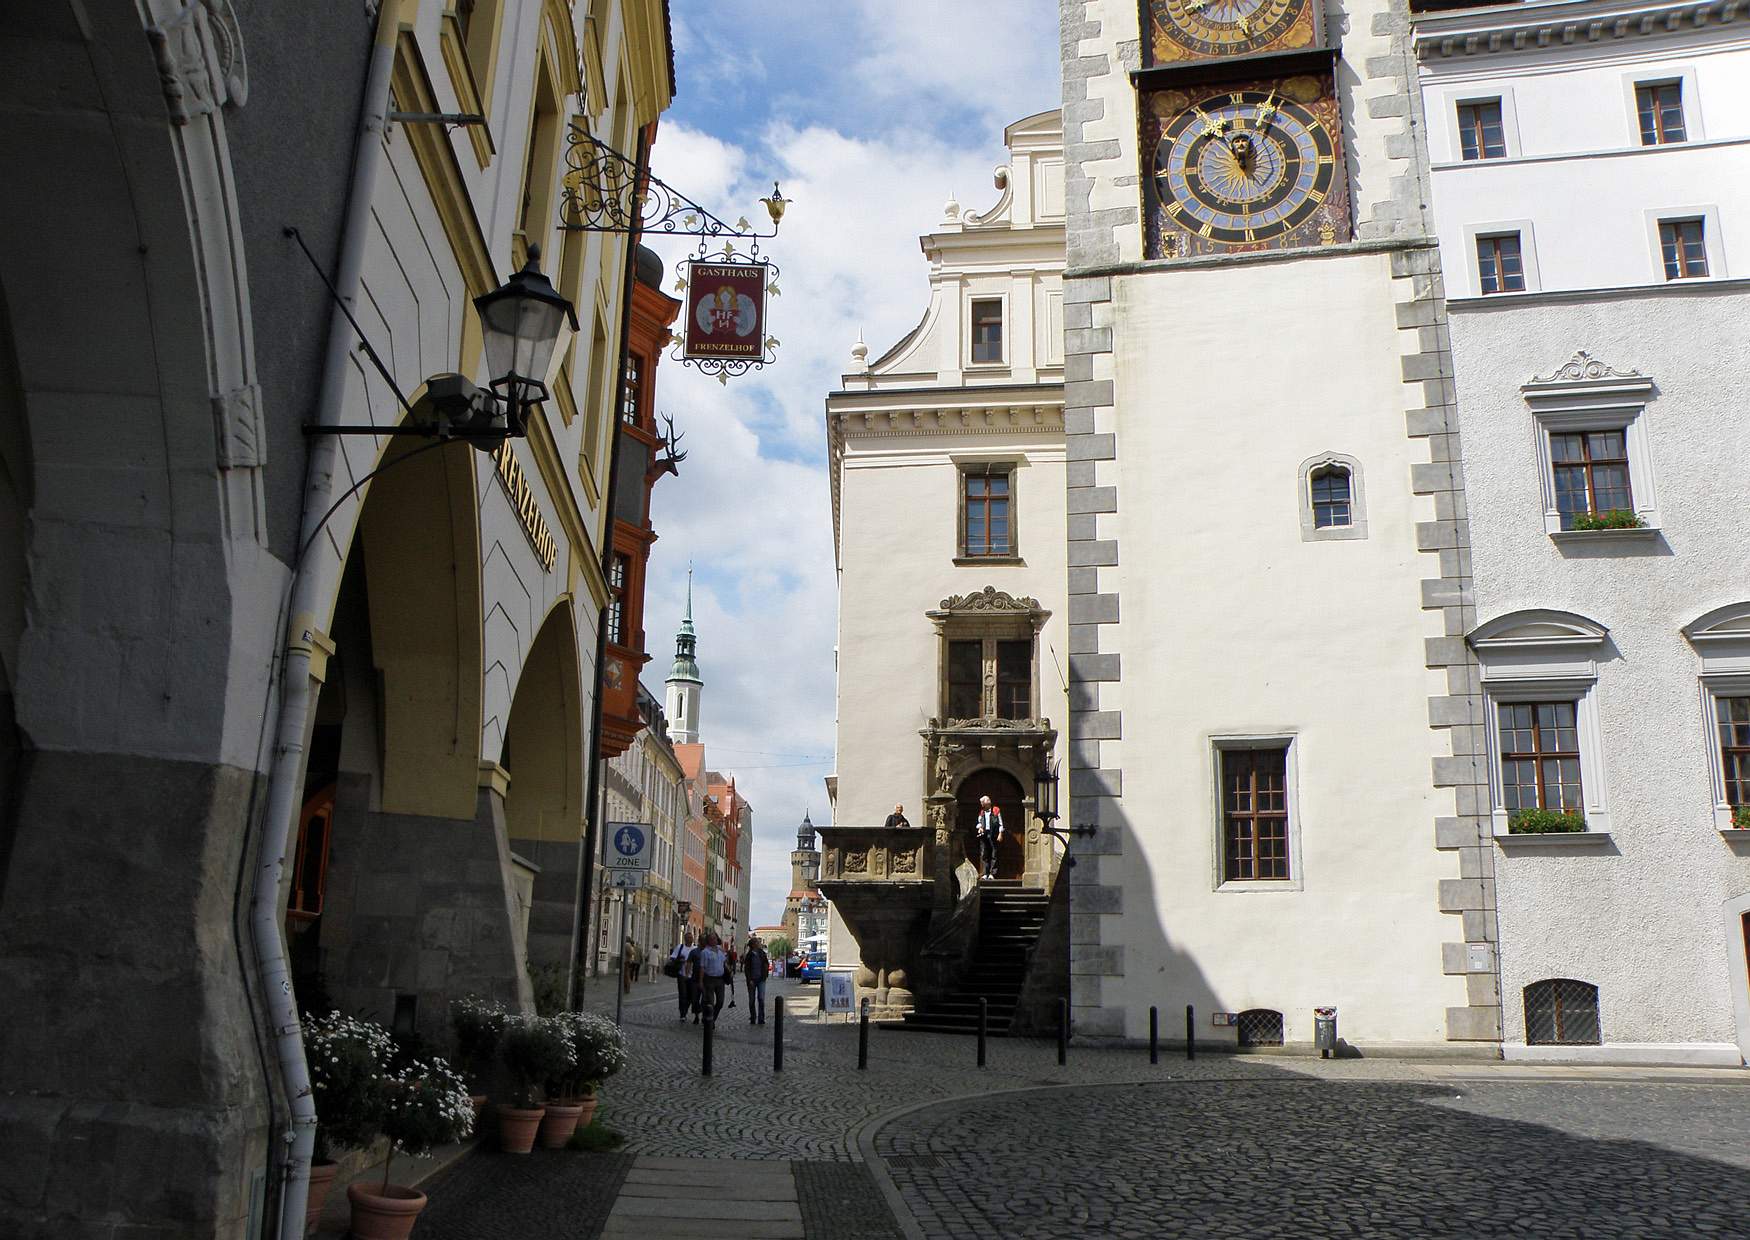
{"x":1249,"y":167}
{"x":1199,"y":29}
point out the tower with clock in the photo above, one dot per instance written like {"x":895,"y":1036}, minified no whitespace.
{"x":1273,"y":708}
{"x":1240,"y":126}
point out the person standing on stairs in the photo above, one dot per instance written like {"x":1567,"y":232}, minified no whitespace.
{"x":989,"y":829}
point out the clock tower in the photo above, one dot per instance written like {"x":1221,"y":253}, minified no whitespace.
{"x":684,"y":685}
{"x":1274,"y":725}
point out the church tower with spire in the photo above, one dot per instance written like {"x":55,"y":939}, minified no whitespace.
{"x":684,"y":684}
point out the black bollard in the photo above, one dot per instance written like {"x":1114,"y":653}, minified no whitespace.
{"x":983,"y":1016}
{"x":1190,"y":1032}
{"x":710,"y":1024}
{"x":1154,"y":1035}
{"x":778,"y":1034}
{"x":1062,"y":1032}
{"x":863,"y":1038}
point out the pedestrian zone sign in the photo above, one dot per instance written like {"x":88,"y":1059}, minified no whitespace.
{"x":626,"y":880}
{"x":628,"y":846}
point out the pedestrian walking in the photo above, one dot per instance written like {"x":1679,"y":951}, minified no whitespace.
{"x":677,"y":968}
{"x":756,"y":966}
{"x":629,"y":967}
{"x":989,"y":829}
{"x":711,"y":962}
{"x":696,"y":972}
{"x":729,"y":965}
{"x":897,"y":818}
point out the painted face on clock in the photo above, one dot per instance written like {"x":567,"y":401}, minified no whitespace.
{"x":1242,"y":170}
{"x":1186,"y":29}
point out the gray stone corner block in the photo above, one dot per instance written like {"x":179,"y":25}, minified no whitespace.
{"x":1445,"y":651}
{"x":1473,"y":1024}
{"x":1091,"y":447}
{"x":1100,"y":552}
{"x":1078,"y":289}
{"x":1096,"y":725}
{"x":1095,"y":392}
{"x":1084,"y":581}
{"x":1093,"y":609}
{"x":1087,"y":958}
{"x":1103,"y":898}
{"x":1083,"y":500}
{"x":1462,"y":895}
{"x":1099,"y":1022}
{"x":1087,"y":667}
{"x":1103,"y":783}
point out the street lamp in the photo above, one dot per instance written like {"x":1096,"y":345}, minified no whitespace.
{"x":521,"y":321}
{"x":1045,"y":808}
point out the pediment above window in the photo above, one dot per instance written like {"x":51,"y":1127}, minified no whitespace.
{"x":1539,"y":644}
{"x":991,"y":599}
{"x":1722,"y":638}
{"x":1585,"y":385}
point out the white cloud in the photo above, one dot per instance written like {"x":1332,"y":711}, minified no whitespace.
{"x":879,"y":113}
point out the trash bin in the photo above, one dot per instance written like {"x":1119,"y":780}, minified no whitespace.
{"x":1325,"y":1031}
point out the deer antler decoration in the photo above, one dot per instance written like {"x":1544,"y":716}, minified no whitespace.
{"x":670,"y":460}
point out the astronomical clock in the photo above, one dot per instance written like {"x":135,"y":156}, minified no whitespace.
{"x":1241,"y":130}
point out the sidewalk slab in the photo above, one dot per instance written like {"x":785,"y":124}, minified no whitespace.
{"x":703,"y":1229}
{"x":656,"y":1162}
{"x":711,"y":1190}
{"x":694,"y":1205}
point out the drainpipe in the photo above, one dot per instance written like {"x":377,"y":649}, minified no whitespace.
{"x":592,"y":824}
{"x":307,"y":651}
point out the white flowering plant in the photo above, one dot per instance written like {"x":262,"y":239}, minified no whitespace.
{"x":599,"y":1048}
{"x":478,"y":1025}
{"x":348,"y":1058}
{"x":537,"y":1050}
{"x":425,"y":1104}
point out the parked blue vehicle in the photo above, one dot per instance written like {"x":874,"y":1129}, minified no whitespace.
{"x":814,"y":968}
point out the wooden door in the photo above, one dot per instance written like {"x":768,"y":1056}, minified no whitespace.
{"x":1005,"y":793}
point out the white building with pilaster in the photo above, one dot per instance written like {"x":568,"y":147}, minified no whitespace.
{"x":1591,"y":188}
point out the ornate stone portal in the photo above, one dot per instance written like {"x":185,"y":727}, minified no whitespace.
{"x":898,"y":890}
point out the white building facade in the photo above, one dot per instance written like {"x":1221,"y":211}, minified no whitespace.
{"x":947,"y":462}
{"x":1271,"y":700}
{"x":1590,"y":171}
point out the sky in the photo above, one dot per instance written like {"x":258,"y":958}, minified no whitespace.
{"x":871,"y":115}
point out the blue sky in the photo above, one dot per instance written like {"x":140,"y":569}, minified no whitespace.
{"x":871,"y":114}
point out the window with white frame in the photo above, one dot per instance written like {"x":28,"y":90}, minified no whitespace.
{"x":1481,"y":133}
{"x":1721,"y":639}
{"x":1500,"y":263}
{"x":987,"y":330}
{"x":1540,"y":678}
{"x":1593,"y":450}
{"x":1332,"y":502}
{"x":1257,"y":826}
{"x":1659,"y":109}
{"x":1683,"y":248}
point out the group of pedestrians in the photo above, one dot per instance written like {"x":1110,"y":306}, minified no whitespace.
{"x":704,"y":974}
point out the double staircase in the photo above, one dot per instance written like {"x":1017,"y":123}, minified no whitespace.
{"x":1010,"y":918}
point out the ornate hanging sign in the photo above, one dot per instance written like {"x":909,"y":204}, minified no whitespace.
{"x":724,"y":326}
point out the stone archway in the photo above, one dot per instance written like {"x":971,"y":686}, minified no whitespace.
{"x":543,"y":806}
{"x":1006,"y":794}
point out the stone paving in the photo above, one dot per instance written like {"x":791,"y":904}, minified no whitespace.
{"x":925,"y":1144}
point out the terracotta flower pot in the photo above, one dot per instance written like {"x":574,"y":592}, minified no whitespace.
{"x":517,"y":1128}
{"x":383,"y":1211}
{"x":321,"y":1180}
{"x":479,"y":1101}
{"x":558,"y":1124}
{"x":588,"y":1105}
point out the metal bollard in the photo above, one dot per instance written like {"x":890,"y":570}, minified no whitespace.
{"x":983,"y":1016}
{"x":1190,"y":1032}
{"x":1154,"y":1035}
{"x":1062,"y":1032}
{"x":710,"y":1024}
{"x":863,"y":1037}
{"x":778,"y":1034}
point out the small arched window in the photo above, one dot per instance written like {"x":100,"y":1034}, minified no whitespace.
{"x":1331,"y":497}
{"x":1260,"y":1027}
{"x":1560,"y":1011}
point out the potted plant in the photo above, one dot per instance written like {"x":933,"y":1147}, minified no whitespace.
{"x":1545,"y":822}
{"x":601,"y":1052}
{"x":477,"y":1025}
{"x":536,"y":1049}
{"x":424,"y":1104}
{"x":347,"y":1059}
{"x":1610,"y":519}
{"x":1741,"y":817}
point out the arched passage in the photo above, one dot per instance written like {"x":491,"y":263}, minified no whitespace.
{"x":543,"y":807}
{"x":1005,"y":793}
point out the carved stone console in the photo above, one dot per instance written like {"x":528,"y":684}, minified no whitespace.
{"x":880,"y":881}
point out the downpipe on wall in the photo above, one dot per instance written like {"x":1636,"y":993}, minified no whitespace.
{"x":310,"y":589}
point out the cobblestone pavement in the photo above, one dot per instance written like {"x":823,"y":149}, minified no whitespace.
{"x":926,"y":1144}
{"x":1296,"y":1157}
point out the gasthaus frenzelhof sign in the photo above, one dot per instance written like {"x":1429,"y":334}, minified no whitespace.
{"x":725,"y":311}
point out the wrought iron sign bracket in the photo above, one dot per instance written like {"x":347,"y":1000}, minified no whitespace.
{"x":604,"y":193}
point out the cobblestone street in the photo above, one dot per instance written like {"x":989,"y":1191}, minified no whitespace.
{"x":924,"y":1144}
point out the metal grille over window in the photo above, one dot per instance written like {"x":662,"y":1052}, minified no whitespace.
{"x":1480,"y":132}
{"x":1330,"y":497}
{"x":1734,"y":719}
{"x":1500,"y":269}
{"x":1591,"y":474}
{"x":1659,"y":106}
{"x":1540,"y":756}
{"x":1255,"y":814}
{"x":1260,"y":1027}
{"x":1561,"y":1012}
